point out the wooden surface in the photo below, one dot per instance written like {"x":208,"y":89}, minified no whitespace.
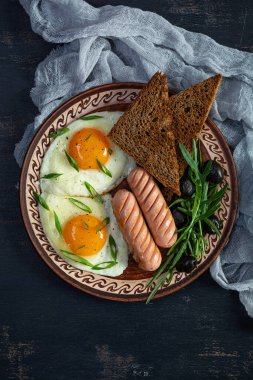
{"x":49,"y":330}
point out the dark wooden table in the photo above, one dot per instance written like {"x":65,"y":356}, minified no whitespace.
{"x":51,"y":331}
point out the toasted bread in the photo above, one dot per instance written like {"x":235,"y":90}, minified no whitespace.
{"x":189,"y":109}
{"x":144,"y":133}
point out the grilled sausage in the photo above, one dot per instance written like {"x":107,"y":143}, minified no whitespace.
{"x":154,"y":207}
{"x":135,"y":230}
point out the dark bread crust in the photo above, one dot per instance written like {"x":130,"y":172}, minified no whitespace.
{"x":144,"y":132}
{"x":190,"y":109}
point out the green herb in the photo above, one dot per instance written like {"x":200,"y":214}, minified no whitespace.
{"x":103,"y":224}
{"x":40,"y":200}
{"x":85,"y":226}
{"x":80,"y":205}
{"x":91,"y":117}
{"x":94,"y":194}
{"x":87,"y":138}
{"x":71,"y":161}
{"x":81,"y":260}
{"x":110,"y":151}
{"x":104,"y":265}
{"x":199,"y":208}
{"x":104,"y":168}
{"x":113,"y":248}
{"x":81,"y":246}
{"x":60,"y":132}
{"x":212,"y":225}
{"x":51,"y":175}
{"x":76,"y":258}
{"x":57,"y":223}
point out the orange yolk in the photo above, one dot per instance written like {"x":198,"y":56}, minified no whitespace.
{"x":87,"y":145}
{"x":85,"y":234}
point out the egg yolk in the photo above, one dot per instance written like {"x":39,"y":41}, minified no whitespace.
{"x":85,"y":234}
{"x":88,"y":145}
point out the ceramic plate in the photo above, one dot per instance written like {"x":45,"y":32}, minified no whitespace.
{"x":132,"y":285}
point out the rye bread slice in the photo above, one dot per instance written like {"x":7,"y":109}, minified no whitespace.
{"x":144,"y":133}
{"x":189,"y":109}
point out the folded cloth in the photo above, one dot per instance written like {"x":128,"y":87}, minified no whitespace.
{"x":102,"y":45}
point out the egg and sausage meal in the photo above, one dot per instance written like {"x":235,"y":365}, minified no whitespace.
{"x":106,"y":180}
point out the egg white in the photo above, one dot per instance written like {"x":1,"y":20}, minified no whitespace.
{"x":66,"y":210}
{"x":71,"y":182}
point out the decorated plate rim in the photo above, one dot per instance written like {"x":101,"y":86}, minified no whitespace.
{"x":135,"y":86}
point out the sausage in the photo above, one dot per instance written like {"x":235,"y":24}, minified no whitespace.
{"x":153,"y":205}
{"x":135,"y":230}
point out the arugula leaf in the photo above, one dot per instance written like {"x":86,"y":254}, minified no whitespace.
{"x":80,"y":205}
{"x":189,"y":159}
{"x":40,"y":200}
{"x":94,"y":194}
{"x":60,"y":132}
{"x":113,"y":248}
{"x":194,"y":151}
{"x":209,"y":212}
{"x":207,"y":170}
{"x":217,"y":196}
{"x":57,"y":223}
{"x":212,"y":226}
{"x":104,"y":168}
{"x":110,"y":151}
{"x":71,"y":161}
{"x":199,"y":152}
{"x":204,"y":202}
{"x":91,"y":117}
{"x":51,"y":175}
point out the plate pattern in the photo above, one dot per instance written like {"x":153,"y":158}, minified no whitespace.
{"x":112,"y":97}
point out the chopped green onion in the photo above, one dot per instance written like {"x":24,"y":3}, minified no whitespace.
{"x":104,"y":168}
{"x":80,"y":205}
{"x":104,"y":223}
{"x":76,"y":258}
{"x":87,"y":138}
{"x":94,"y":194}
{"x":71,"y":161}
{"x":40,"y":200}
{"x":60,"y":132}
{"x":51,"y":175}
{"x":91,"y":117}
{"x":57,"y":223}
{"x":104,"y":265}
{"x":113,"y":248}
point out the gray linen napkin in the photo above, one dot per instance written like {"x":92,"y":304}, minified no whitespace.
{"x":107,"y":44}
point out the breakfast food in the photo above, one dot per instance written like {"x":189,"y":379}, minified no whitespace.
{"x":189,"y":110}
{"x":152,"y":203}
{"x":81,"y":229}
{"x":84,"y":153}
{"x":143,"y":133}
{"x":135,"y":231}
{"x":88,"y":161}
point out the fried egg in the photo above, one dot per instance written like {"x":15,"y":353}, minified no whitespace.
{"x":83,"y":230}
{"x":85,"y":154}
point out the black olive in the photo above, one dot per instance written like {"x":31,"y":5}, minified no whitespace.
{"x":216,"y":221}
{"x":179,"y":218}
{"x":187,"y":187}
{"x":187,"y":264}
{"x":216,"y":173}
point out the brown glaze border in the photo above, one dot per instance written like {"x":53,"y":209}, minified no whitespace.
{"x":102,"y":294}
